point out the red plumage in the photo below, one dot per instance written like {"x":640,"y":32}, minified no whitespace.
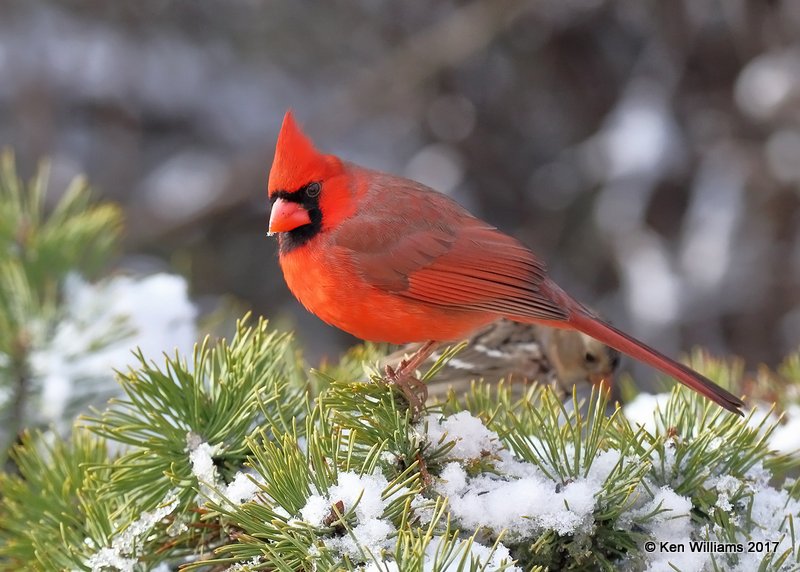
{"x":388,"y":259}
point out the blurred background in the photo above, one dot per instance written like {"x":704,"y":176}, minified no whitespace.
{"x":648,"y":151}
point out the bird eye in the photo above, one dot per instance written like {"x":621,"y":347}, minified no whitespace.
{"x":590,"y":357}
{"x":313,"y":189}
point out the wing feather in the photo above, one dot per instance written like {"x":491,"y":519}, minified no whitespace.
{"x":419,"y":244}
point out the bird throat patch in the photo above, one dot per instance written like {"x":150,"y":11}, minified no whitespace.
{"x":299,"y":236}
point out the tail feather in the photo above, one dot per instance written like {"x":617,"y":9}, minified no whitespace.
{"x":621,"y":341}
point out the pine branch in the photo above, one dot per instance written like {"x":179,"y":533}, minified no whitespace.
{"x":219,"y":400}
{"x":41,"y":516}
{"x":225,"y":462}
{"x":41,"y":248}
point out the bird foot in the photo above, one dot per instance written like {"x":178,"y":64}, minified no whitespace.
{"x":414,"y":390}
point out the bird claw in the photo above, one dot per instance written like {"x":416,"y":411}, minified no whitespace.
{"x":414,"y":390}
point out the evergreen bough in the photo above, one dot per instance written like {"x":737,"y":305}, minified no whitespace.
{"x":37,"y":252}
{"x":237,"y":458}
{"x":88,"y":502}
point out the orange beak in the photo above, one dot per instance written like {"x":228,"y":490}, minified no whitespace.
{"x":286,"y":216}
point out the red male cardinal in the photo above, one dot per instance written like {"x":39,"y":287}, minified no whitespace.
{"x":389,"y":259}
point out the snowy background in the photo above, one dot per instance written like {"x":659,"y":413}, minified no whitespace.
{"x":648,"y":151}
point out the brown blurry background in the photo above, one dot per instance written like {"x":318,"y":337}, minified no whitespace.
{"x":649,"y":151}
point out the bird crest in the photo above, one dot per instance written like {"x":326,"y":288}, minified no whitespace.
{"x":297,"y":162}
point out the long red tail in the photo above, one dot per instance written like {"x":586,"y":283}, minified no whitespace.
{"x":621,"y":341}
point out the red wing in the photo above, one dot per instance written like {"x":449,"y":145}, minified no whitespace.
{"x":423,"y":246}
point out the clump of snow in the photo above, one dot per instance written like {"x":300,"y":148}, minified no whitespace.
{"x":423,"y":509}
{"x":491,"y":559}
{"x":641,"y":410}
{"x":519,"y":497}
{"x":763,"y":416}
{"x":471,"y":437}
{"x":758,"y":475}
{"x":771,"y":509}
{"x":497,"y":558}
{"x":738,"y":496}
{"x":110,"y":558}
{"x":452,"y":480}
{"x":527,"y":505}
{"x":202,"y":459}
{"x":371,"y":537}
{"x":177,"y":527}
{"x":244,"y":566}
{"x":786,"y":437}
{"x":125,"y":549}
{"x":726,"y":486}
{"x":665,"y":462}
{"x":671,"y":525}
{"x":244,"y":487}
{"x":317,"y":507}
{"x":201,"y":456}
{"x":101,"y":324}
{"x":372,"y":532}
{"x":381,"y":566}
{"x":673,"y":520}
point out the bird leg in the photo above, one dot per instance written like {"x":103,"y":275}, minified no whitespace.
{"x":404,"y":377}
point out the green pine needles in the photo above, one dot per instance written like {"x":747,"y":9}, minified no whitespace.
{"x":37,"y":252}
{"x":236,"y":458}
{"x":227,"y":463}
{"x":219,"y":398}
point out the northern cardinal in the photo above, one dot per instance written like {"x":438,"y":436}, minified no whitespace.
{"x":521,"y":353}
{"x":389,"y":259}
